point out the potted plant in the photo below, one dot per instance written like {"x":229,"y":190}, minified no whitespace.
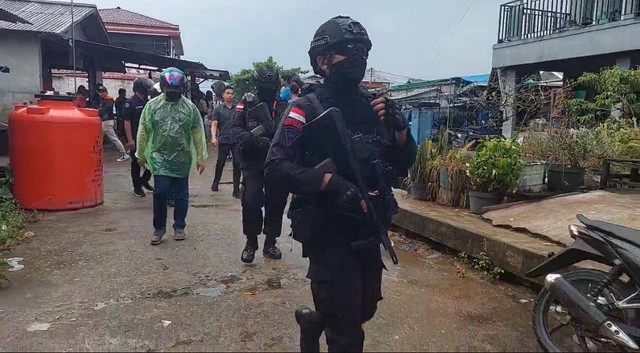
{"x":569,"y":150}
{"x":453,"y":178}
{"x":535,"y":155}
{"x":495,"y":169}
{"x":418,"y":173}
{"x":424,"y":173}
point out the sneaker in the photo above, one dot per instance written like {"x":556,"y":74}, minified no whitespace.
{"x":123,"y":158}
{"x":146,"y":185}
{"x":157,"y":237}
{"x":249,"y":253}
{"x":139,"y":193}
{"x":178,"y":234}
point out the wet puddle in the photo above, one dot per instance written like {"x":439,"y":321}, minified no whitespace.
{"x":230,"y":283}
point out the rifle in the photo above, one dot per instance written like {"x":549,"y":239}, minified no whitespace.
{"x":334,"y":117}
{"x":261,"y":113}
{"x":258,"y":131}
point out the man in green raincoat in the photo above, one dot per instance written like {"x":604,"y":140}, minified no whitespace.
{"x":171,"y":140}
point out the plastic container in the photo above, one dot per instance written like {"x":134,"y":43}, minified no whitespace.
{"x":56,"y":155}
{"x":478,"y":200}
{"x":565,"y":179}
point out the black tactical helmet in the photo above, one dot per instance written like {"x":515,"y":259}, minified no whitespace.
{"x":336,"y":31}
{"x":267,"y":77}
{"x":142,"y":84}
{"x":218,"y":88}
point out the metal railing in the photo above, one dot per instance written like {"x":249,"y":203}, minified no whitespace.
{"x":522,"y":19}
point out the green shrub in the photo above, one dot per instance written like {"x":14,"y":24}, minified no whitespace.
{"x":497,"y":166}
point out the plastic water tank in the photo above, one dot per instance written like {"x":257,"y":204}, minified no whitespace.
{"x":56,"y":155}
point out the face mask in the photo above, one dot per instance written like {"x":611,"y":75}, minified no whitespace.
{"x":348,"y":72}
{"x":266,"y":93}
{"x":171,"y":96}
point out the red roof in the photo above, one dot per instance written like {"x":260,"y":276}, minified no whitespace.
{"x":124,"y":21}
{"x":126,"y":17}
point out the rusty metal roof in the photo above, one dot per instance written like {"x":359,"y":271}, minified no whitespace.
{"x":44,"y":16}
{"x":126,"y":17}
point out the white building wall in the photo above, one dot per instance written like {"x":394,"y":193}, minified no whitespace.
{"x":65,"y":84}
{"x":21,"y":53}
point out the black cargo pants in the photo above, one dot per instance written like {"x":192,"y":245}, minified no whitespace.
{"x":346,"y":289}
{"x":254,"y":197}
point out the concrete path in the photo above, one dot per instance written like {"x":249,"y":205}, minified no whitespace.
{"x":93,"y":283}
{"x":550,"y":218}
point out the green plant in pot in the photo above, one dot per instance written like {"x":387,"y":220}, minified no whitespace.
{"x":418,"y":172}
{"x":453,"y":178}
{"x":495,"y":169}
{"x":424,"y":173}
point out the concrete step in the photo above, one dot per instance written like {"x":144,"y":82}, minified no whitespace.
{"x":460,"y":230}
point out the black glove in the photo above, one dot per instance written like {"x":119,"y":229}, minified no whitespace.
{"x":260,"y":142}
{"x":393,"y":118}
{"x":346,"y":193}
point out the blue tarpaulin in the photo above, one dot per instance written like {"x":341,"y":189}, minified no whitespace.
{"x":476,"y":78}
{"x":421,"y":124}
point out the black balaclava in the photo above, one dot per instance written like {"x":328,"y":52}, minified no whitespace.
{"x":348,"y":73}
{"x":172,"y":96}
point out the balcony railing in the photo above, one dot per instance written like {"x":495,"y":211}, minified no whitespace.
{"x":522,"y":19}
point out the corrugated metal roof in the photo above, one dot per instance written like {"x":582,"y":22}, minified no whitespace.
{"x":44,"y":16}
{"x":475,"y":79}
{"x":122,"y":16}
{"x":9,"y":17}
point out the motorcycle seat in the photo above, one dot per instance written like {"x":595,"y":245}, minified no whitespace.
{"x":629,"y":235}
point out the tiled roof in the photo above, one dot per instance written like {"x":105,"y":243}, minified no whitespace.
{"x":126,"y":17}
{"x":44,"y":16}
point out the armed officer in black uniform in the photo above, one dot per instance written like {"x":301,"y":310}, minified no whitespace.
{"x":132,"y":112}
{"x":254,"y":125}
{"x":345,"y":280}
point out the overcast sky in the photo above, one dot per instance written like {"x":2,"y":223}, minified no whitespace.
{"x":417,"y":38}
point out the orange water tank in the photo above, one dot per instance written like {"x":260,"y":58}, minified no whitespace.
{"x":56,"y":155}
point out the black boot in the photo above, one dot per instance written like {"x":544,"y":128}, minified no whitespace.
{"x":146,"y":185}
{"x":311,"y":328}
{"x":270,"y":250}
{"x":249,"y":252}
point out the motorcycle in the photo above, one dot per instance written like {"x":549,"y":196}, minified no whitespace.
{"x":458,"y":138}
{"x":587,"y":309}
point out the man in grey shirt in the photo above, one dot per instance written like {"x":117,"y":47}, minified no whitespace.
{"x":221,"y":138}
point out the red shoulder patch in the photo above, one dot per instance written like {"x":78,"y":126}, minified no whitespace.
{"x":294,"y":123}
{"x":297,"y":114}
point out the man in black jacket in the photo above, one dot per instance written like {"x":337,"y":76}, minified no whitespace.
{"x":345,"y":280}
{"x":260,"y":111}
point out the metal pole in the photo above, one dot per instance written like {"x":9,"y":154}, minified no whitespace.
{"x":73,"y":48}
{"x":449,"y":102}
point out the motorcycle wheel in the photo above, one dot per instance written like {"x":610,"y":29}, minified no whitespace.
{"x":556,"y":331}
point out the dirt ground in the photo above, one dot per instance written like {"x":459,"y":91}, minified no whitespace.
{"x":92,"y":282}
